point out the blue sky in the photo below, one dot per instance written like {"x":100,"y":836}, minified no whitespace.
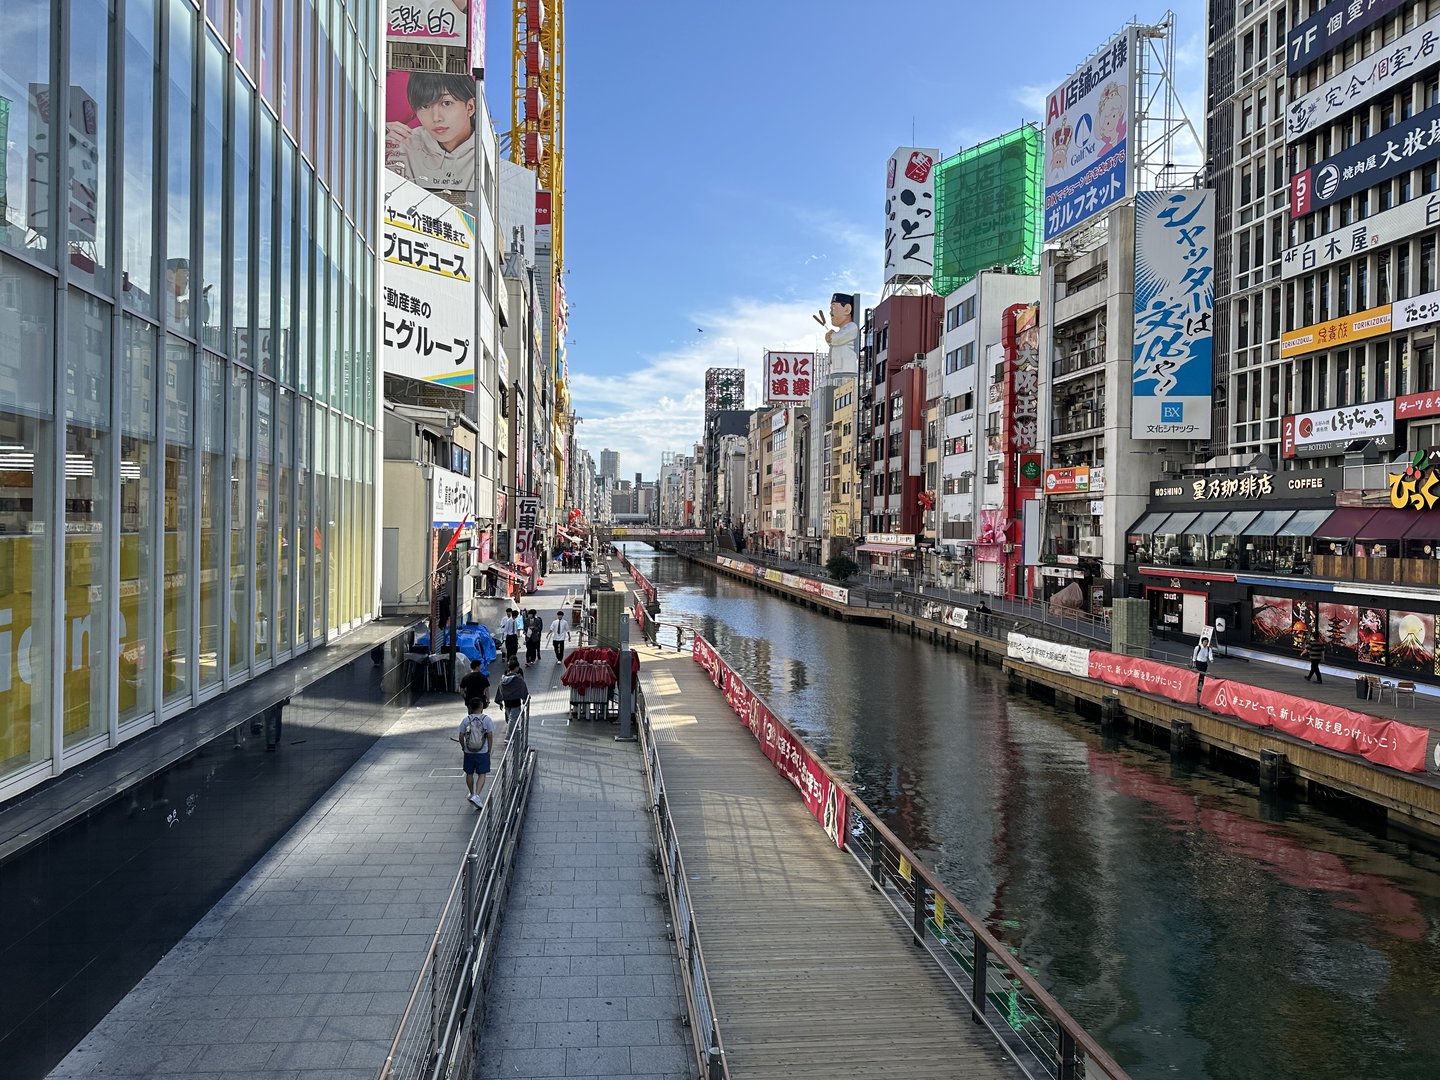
{"x":725,"y":169}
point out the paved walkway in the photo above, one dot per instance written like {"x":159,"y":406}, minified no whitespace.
{"x":303,"y":970}
{"x":586,"y":982}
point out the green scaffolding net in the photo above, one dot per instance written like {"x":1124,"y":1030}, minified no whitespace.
{"x":987,"y":209}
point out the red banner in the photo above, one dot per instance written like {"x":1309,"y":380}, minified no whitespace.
{"x":824,"y":798}
{"x":1175,"y":683}
{"x":1385,"y":742}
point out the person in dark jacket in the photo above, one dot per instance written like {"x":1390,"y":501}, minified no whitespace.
{"x":512,"y":692}
{"x":534,"y":631}
{"x":1315,"y":652}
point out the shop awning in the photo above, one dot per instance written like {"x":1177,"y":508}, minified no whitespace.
{"x":1146,"y":525}
{"x":1205,"y":524}
{"x":1386,"y":525}
{"x":1344,"y":523}
{"x":1236,"y":523}
{"x":887,"y":549}
{"x":1425,"y":527}
{"x":1176,"y":524}
{"x":1269,"y":523}
{"x":1304,"y":523}
{"x":508,"y":574}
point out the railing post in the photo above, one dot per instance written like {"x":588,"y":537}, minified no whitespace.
{"x":917,"y":917}
{"x":467,"y":905}
{"x":979,"y":958}
{"x":1067,"y":1061}
{"x":877,"y":866}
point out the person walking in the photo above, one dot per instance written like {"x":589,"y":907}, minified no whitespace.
{"x":534,"y":630}
{"x":477,"y":731}
{"x":510,"y":633}
{"x":476,"y":684}
{"x":559,"y":632}
{"x":492,"y":578}
{"x":512,"y":693}
{"x":1200,"y":660}
{"x":1315,"y":652}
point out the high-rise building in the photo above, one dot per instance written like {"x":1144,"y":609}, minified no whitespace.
{"x":610,"y":465}
{"x":187,"y":359}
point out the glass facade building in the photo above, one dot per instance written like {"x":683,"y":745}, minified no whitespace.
{"x":188,"y":209}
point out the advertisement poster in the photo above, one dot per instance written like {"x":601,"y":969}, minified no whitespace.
{"x":1339,"y":624}
{"x":429,"y":22}
{"x":910,"y":213}
{"x":1087,"y":120}
{"x":1371,"y":637}
{"x":1331,"y":431}
{"x":430,"y":129}
{"x":1172,"y":374}
{"x":1412,"y":642}
{"x":1369,"y":162}
{"x":1282,"y":622}
{"x":427,"y":292}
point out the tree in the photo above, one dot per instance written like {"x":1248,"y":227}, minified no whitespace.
{"x":841,"y":567}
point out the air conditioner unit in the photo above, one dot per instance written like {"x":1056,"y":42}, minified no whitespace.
{"x":1088,"y":545}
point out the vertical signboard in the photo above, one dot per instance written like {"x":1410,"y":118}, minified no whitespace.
{"x":428,"y":293}
{"x":477,"y":38}
{"x":527,"y":517}
{"x":430,"y":128}
{"x":788,"y":377}
{"x":1174,"y":305}
{"x":1087,"y":121}
{"x":910,"y":213}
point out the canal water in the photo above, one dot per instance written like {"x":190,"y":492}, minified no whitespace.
{"x":1195,"y":930}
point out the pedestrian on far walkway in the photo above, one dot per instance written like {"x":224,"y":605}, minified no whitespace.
{"x":476,"y":733}
{"x":512,"y":692}
{"x":1315,"y":652}
{"x":1200,"y":659}
{"x":559,"y":632}
{"x":510,"y":633}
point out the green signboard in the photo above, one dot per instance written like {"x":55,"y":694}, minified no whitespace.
{"x":987,"y":209}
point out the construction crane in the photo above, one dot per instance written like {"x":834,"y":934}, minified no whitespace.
{"x":537,"y":141}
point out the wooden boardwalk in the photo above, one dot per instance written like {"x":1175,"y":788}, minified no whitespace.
{"x":813,"y":973}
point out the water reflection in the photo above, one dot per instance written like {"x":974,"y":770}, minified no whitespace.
{"x":1194,"y":930}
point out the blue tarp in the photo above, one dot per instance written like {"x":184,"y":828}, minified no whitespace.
{"x":472,"y":641}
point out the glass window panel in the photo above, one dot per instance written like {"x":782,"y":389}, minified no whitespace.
{"x":306,"y":301}
{"x":321,"y":308}
{"x":240,"y":273}
{"x":213,"y":202}
{"x":264,"y":516}
{"x":178,"y":155}
{"x":334,"y":510}
{"x":264,"y":356}
{"x":87,"y":516}
{"x":179,"y":646}
{"x":27,"y":486}
{"x":304,"y":537}
{"x":218,"y":12}
{"x":338,"y":304}
{"x":305,"y":73}
{"x":214,"y":491}
{"x":138,"y":148}
{"x":320,"y":529}
{"x":285,"y":283}
{"x":240,"y":519}
{"x":25,"y":118}
{"x":240,"y":37}
{"x":287,"y":64}
{"x":92,"y":27}
{"x":266,"y":44}
{"x":138,"y":462}
{"x":284,"y":519}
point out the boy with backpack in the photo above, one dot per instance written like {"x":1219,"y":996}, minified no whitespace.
{"x":477,"y":732}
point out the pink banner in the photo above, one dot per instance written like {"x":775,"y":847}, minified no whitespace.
{"x":824,"y":798}
{"x":1175,"y":683}
{"x":642,"y":581}
{"x":1385,"y":742}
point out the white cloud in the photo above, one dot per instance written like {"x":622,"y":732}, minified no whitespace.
{"x":659,"y":405}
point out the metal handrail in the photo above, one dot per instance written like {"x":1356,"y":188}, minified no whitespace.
{"x":437,"y":1035}
{"x":1044,"y":1040}
{"x":704,"y":1027}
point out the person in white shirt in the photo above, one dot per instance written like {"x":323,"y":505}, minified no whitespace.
{"x":440,"y":153}
{"x":559,"y":631}
{"x":510,"y":633}
{"x":1200,"y":659}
